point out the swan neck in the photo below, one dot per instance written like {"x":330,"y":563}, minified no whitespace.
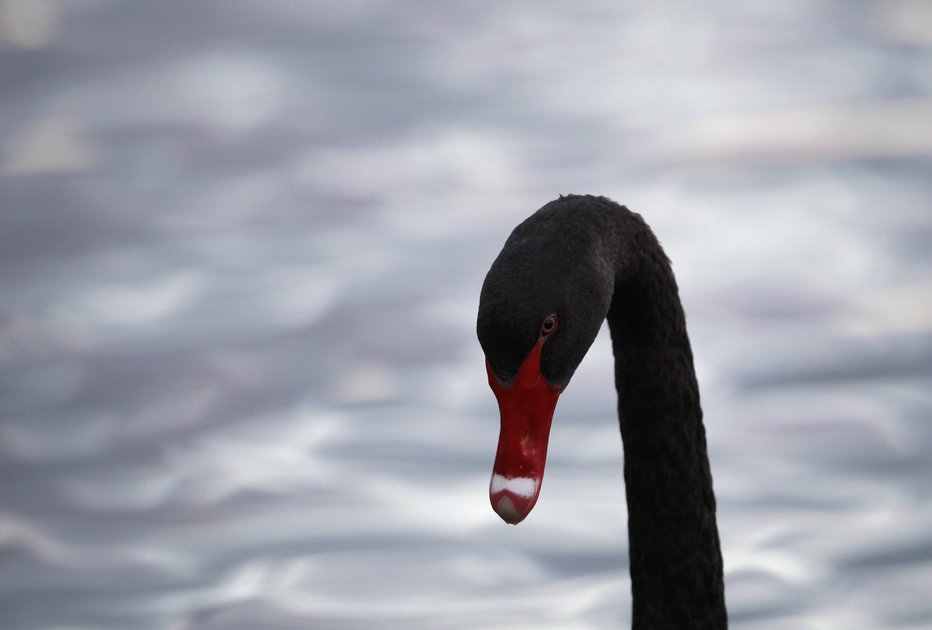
{"x":676,"y":563}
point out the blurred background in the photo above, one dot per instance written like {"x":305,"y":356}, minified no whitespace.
{"x":241,"y":247}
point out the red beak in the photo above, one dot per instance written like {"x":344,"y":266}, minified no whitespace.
{"x":526,"y":408}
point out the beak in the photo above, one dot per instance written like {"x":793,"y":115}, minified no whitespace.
{"x":526,"y":407}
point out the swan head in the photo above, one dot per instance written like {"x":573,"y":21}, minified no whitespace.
{"x":541,"y":307}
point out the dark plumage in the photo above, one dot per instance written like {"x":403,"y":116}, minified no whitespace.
{"x":585,"y":259}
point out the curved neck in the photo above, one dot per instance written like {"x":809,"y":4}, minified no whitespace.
{"x":676,"y":562}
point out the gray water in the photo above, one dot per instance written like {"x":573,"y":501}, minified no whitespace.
{"x":241,"y":245}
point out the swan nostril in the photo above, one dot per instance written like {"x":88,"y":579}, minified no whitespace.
{"x":528,"y":444}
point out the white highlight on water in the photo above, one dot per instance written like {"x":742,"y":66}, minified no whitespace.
{"x":521,"y":486}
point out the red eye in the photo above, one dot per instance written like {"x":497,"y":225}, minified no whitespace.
{"x":549,"y":325}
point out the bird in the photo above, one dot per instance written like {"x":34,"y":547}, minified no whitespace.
{"x":576,"y":262}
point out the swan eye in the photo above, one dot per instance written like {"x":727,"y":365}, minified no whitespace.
{"x":549,"y":325}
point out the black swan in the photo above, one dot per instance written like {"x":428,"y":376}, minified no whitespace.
{"x":575,"y":262}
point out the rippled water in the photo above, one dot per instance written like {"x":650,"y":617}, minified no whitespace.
{"x":241,"y":246}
